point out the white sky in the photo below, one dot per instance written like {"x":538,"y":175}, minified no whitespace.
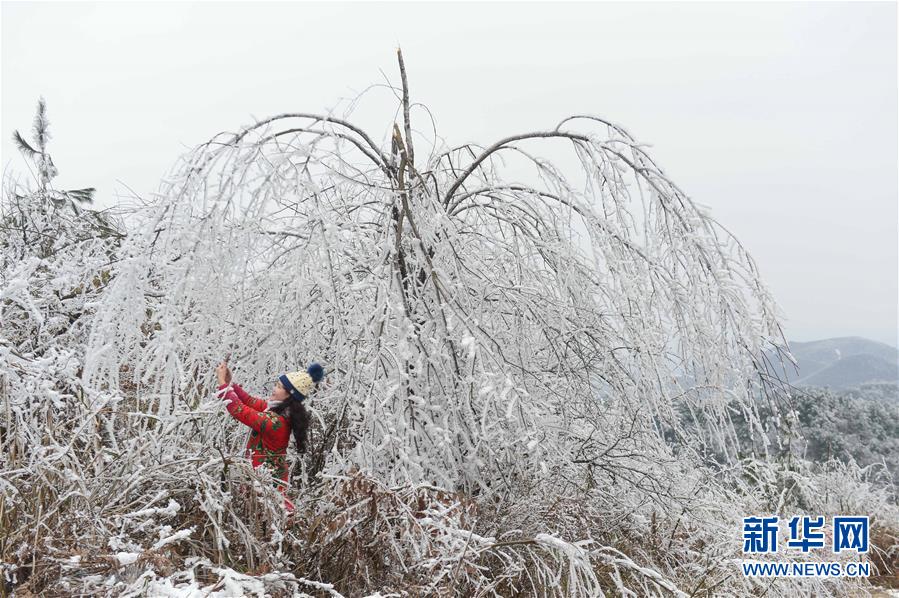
{"x":780,"y":117}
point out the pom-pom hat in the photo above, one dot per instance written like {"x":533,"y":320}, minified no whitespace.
{"x":301,"y":384}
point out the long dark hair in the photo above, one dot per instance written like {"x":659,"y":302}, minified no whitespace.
{"x":298,"y":416}
{"x":296,"y":411}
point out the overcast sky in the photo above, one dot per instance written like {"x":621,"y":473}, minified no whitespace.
{"x":782,"y":118}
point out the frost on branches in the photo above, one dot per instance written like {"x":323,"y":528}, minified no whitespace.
{"x":535,"y":369}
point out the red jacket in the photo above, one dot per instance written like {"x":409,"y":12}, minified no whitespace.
{"x":270,"y":433}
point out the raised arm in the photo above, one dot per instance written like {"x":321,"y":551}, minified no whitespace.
{"x":261,"y":421}
{"x":249,"y":400}
{"x":223,"y":373}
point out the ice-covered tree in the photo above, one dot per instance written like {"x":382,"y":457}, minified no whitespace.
{"x":504,"y":331}
{"x":39,"y":155}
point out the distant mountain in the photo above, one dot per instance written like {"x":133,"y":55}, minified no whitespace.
{"x":842,"y":363}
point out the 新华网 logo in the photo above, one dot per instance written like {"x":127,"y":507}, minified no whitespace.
{"x":761,"y":535}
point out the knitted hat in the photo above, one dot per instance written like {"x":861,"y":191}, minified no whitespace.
{"x":301,"y":384}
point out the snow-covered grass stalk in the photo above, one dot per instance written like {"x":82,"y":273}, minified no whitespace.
{"x":534,"y":370}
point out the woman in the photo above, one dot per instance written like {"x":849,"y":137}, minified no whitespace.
{"x":274,"y":419}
